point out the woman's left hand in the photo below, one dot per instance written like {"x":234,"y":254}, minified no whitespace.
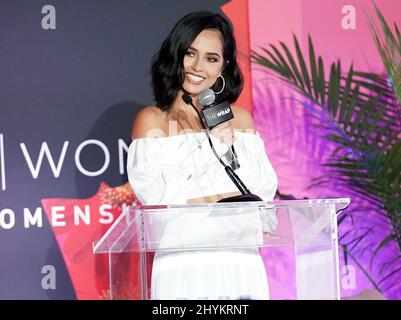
{"x":224,"y":132}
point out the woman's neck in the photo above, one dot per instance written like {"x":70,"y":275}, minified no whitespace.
{"x":185,"y":115}
{"x":179,"y":104}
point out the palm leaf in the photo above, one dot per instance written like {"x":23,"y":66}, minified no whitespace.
{"x":381,"y":245}
{"x":304,"y":70}
{"x":360,"y":113}
{"x":389,"y":48}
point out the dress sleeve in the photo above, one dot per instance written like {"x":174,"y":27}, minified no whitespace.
{"x":159,"y":169}
{"x":267,"y":186}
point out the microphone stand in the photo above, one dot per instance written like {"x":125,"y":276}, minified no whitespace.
{"x":246,"y":195}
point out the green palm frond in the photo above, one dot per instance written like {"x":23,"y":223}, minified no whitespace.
{"x":355,"y":113}
{"x":348,"y":103}
{"x":388,"y":45}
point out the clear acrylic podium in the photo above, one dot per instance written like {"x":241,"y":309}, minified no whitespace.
{"x":297,"y":240}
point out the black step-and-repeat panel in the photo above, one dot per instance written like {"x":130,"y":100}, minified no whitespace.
{"x":73,"y":74}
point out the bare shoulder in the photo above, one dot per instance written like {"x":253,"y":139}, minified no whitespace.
{"x":149,"y":122}
{"x":243,"y":119}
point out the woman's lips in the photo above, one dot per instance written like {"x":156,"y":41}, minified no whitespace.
{"x":194,"y":79}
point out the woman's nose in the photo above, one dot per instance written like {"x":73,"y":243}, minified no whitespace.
{"x":197,"y":65}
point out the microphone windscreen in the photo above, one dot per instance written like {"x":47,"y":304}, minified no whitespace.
{"x":206,"y":97}
{"x":187,"y":98}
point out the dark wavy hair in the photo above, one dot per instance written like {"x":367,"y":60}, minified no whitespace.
{"x":167,"y":64}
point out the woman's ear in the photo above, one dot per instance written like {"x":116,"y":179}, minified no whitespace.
{"x":224,"y":66}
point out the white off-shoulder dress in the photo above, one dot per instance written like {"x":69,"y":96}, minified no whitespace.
{"x":158,"y":171}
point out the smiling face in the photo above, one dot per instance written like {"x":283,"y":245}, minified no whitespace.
{"x":203,"y":62}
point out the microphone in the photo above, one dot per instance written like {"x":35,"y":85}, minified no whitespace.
{"x":187,"y":99}
{"x":246,"y":195}
{"x":215,"y":114}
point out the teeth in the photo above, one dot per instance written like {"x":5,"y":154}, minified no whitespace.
{"x":194,"y":78}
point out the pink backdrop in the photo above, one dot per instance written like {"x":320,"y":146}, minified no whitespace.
{"x":292,"y":145}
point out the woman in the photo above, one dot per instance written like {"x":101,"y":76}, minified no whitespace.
{"x":170,"y":160}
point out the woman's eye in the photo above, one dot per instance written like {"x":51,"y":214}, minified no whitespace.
{"x":189,"y":54}
{"x":212,"y":59}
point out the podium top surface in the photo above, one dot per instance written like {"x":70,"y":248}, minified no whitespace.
{"x":341,"y":202}
{"x":158,"y":227}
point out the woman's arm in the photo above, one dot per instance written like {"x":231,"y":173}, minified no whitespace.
{"x":243,"y":120}
{"x":149,"y":123}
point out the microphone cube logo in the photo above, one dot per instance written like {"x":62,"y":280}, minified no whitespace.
{"x":222,"y":113}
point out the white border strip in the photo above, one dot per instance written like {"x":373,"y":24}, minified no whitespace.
{"x":2,"y":165}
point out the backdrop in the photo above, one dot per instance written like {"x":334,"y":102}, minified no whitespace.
{"x":74,"y":74}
